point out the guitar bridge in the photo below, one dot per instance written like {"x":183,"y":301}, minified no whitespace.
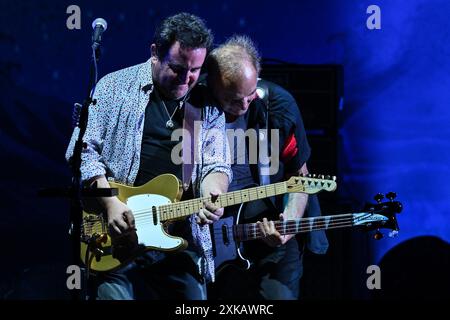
{"x":92,"y":224}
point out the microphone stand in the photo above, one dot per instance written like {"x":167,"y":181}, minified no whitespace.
{"x":76,"y":192}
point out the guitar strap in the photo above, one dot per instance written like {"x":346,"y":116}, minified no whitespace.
{"x":264,"y":143}
{"x":263,"y":166}
{"x":191,"y":114}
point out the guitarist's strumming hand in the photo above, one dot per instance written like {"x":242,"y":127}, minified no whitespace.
{"x":122,"y":229}
{"x":271,"y":236}
{"x":120,"y":218}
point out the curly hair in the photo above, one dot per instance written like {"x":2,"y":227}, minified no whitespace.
{"x":189,"y":30}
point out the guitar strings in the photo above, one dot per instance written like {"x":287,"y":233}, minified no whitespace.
{"x":303,"y":223}
{"x":277,"y":188}
{"x":194,"y":205}
{"x":316,"y":220}
{"x":258,"y":234}
{"x":253,"y":229}
{"x":145,"y":220}
{"x":236,"y":197}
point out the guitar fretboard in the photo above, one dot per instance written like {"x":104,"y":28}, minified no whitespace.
{"x":251,"y":231}
{"x":185,"y":208}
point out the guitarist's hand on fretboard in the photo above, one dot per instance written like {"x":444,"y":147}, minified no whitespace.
{"x":213,"y":185}
{"x":271,"y":236}
{"x":210,"y":212}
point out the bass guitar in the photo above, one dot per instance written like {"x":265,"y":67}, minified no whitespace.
{"x":229,"y":235}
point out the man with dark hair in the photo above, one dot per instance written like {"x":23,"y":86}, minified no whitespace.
{"x":233,"y":70}
{"x":176,"y":37}
{"x":185,"y":28}
{"x":128,"y":139}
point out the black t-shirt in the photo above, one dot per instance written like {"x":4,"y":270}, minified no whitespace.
{"x":242,"y":176}
{"x":157,"y":146}
{"x":284,"y":116}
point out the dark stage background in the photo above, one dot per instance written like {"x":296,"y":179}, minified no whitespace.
{"x":387,"y":127}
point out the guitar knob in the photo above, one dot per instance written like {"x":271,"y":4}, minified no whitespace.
{"x":391,"y":195}
{"x":379,"y":197}
{"x":378,"y":235}
{"x":98,"y":254}
{"x":103,"y":238}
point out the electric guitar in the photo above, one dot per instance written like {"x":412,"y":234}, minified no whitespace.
{"x":228,"y":235}
{"x":156,"y":203}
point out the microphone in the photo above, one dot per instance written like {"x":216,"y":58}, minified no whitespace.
{"x":260,"y":92}
{"x":99,"y":25}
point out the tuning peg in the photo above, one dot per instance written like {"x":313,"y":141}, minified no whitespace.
{"x":378,"y":235}
{"x":379,"y":197}
{"x":334,"y":178}
{"x":393,"y":234}
{"x":391,"y":195}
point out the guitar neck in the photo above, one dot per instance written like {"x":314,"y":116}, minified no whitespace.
{"x":183,"y":209}
{"x":251,"y":231}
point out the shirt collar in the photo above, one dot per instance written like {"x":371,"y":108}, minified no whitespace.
{"x":145,"y":76}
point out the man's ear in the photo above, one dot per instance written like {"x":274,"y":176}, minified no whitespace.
{"x":153,"y":51}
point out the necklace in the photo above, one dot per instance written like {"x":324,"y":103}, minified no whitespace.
{"x":169,"y":123}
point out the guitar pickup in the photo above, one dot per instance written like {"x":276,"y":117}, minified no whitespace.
{"x":225,"y":235}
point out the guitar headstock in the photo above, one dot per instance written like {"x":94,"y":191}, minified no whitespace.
{"x":311,"y":183}
{"x":382,"y":215}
